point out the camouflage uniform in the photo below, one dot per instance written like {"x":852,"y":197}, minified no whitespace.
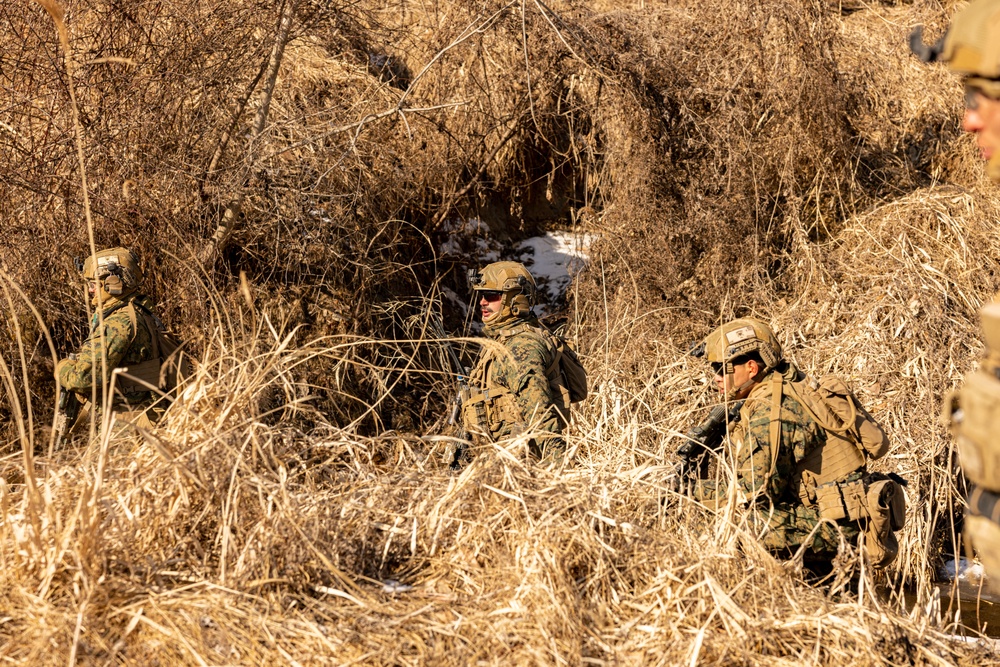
{"x":520,"y":370}
{"x":779,"y":515}
{"x":125,"y":340}
{"x":511,"y":390}
{"x":800,"y":451}
{"x":125,"y":344}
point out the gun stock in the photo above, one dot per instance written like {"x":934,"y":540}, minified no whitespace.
{"x":66,"y":415}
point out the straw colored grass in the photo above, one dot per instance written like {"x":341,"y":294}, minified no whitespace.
{"x":786,"y":160}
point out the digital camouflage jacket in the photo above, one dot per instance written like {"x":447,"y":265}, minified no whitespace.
{"x":125,"y":343}
{"x":772,"y":493}
{"x":514,"y":383}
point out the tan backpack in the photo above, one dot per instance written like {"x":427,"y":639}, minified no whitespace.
{"x":835,"y":408}
{"x":852,"y":437}
{"x":170,"y":363}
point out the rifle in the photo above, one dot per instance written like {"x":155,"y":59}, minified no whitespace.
{"x":461,"y":395}
{"x":705,"y":437}
{"x":66,"y":414}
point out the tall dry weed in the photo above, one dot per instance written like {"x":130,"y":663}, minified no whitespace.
{"x":294,"y":506}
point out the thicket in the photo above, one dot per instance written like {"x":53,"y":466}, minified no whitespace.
{"x":788,"y":160}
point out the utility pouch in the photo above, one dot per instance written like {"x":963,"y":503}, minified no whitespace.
{"x":886,"y":511}
{"x":837,"y":501}
{"x":975,"y":422}
{"x":474,"y":412}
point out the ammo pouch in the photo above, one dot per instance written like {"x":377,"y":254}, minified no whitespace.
{"x":878,"y":503}
{"x":490,"y":410}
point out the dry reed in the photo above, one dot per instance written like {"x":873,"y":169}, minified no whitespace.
{"x":294,"y":506}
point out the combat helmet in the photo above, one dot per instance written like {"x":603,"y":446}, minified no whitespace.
{"x":971,"y":47}
{"x":515,"y":284}
{"x":116,"y":271}
{"x":737,"y":339}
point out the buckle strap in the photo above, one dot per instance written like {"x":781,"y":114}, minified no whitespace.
{"x":985,"y":503}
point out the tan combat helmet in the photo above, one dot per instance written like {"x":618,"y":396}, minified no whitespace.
{"x":116,"y":271}
{"x":739,"y":338}
{"x":971,"y":48}
{"x":515,"y":284}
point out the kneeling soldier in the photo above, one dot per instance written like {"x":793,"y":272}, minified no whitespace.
{"x":126,"y":340}
{"x":800,"y":451}
{"x":518,"y":386}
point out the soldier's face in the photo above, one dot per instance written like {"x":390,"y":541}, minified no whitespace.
{"x":490,"y":304}
{"x":982,"y":118}
{"x":742,"y":373}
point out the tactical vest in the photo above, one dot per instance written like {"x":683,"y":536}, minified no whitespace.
{"x":974,"y":414}
{"x":492,"y":407}
{"x":833,"y":478}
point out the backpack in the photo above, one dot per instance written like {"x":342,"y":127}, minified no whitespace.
{"x":170,"y":364}
{"x":837,"y":410}
{"x":567,"y":371}
{"x":852,"y":436}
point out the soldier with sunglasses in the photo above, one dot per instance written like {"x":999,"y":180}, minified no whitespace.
{"x":515,"y":382}
{"x":971,"y":48}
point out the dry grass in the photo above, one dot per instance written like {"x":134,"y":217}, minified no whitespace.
{"x":294,"y":507}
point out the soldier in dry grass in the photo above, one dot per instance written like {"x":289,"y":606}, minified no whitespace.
{"x":113,"y":279}
{"x":512,"y":384}
{"x":971,"y":48}
{"x":787,"y":466}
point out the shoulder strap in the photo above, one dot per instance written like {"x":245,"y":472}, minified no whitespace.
{"x":818,"y":410}
{"x":775,"y":425}
{"x":134,"y":310}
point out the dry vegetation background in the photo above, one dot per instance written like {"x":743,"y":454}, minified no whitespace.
{"x":782,"y":158}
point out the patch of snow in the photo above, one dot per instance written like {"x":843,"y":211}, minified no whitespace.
{"x":465,"y":233}
{"x":393,"y":586}
{"x":553,"y":260}
{"x":963,"y":570}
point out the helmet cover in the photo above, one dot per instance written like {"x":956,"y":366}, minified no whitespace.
{"x":514,"y":282}
{"x":972,"y":45}
{"x":739,"y":338}
{"x":116,"y":271}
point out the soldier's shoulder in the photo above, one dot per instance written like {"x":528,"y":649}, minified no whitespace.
{"x":531,"y":338}
{"x":122,"y":320}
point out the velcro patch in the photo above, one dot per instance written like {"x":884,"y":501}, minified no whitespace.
{"x":740,"y":335}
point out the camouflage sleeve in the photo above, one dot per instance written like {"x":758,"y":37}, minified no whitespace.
{"x":523,"y":372}
{"x":753,"y":453}
{"x":78,"y":375}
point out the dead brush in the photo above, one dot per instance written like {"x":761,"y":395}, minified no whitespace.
{"x":253,"y":527}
